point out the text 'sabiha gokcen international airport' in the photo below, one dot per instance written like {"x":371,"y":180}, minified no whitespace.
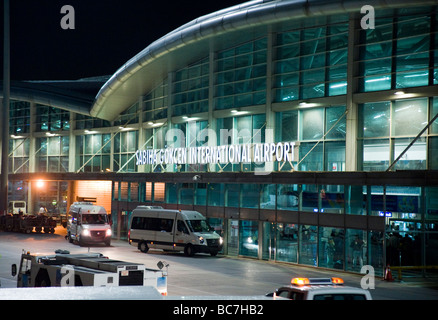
{"x":294,"y":127}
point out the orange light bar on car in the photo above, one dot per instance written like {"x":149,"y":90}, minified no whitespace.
{"x":300,"y":281}
{"x":337,"y":281}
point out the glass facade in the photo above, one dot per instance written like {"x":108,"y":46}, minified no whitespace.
{"x":291,"y":84}
{"x":241,"y":75}
{"x":311,"y":62}
{"x":388,"y":127}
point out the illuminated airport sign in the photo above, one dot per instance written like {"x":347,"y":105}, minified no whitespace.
{"x":236,"y":153}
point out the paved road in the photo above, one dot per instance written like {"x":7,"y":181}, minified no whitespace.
{"x":203,"y":275}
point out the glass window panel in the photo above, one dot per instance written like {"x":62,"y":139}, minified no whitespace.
{"x":250,"y":195}
{"x":331,"y":248}
{"x":287,"y":52}
{"x":65,"y":145}
{"x":216,"y":194}
{"x":313,"y":91}
{"x":288,"y":197}
{"x":201,"y":194}
{"x":312,"y":124}
{"x":433,"y":153}
{"x":355,"y":200}
{"x":289,"y":65}
{"x":337,"y":88}
{"x":413,"y":61}
{"x":334,"y":156}
{"x":54,"y":146}
{"x":287,"y":242}
{"x":64,"y":163}
{"x":412,"y":27}
{"x":332,"y":199}
{"x":232,"y":195}
{"x":286,"y":94}
{"x":312,"y":161}
{"x":414,"y":158}
{"x":313,"y":61}
{"x":375,"y":155}
{"x":268,"y":196}
{"x":287,"y":80}
{"x":412,"y":79}
{"x":53,"y":164}
{"x":313,"y":33}
{"x":313,"y":76}
{"x":248,"y":238}
{"x":287,"y":123}
{"x":434,"y":112}
{"x":375,"y":118}
{"x":337,"y":73}
{"x":338,"y":41}
{"x":333,"y":115}
{"x":89,"y":144}
{"x":409,"y":117}
{"x":377,"y":83}
{"x":409,"y":45}
{"x":307,"y":244}
{"x":186,"y":193}
{"x":375,"y":67}
{"x":288,"y":37}
{"x":431,"y":203}
{"x":382,"y":32}
{"x":171,"y":192}
{"x":356,"y":249}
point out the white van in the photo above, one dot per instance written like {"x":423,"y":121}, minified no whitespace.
{"x":172,"y":230}
{"x":15,"y":207}
{"x":88,"y":223}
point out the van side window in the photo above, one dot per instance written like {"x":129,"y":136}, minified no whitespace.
{"x":166,"y":225}
{"x":152,"y":224}
{"x":181,"y":226}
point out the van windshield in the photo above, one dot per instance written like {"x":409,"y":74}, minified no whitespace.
{"x":199,"y":226}
{"x":94,"y":219}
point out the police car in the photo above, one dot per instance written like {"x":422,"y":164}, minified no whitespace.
{"x":320,"y":289}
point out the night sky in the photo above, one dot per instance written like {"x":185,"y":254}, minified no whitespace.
{"x":107,"y":34}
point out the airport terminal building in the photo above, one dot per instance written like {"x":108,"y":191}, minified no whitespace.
{"x":305,"y":131}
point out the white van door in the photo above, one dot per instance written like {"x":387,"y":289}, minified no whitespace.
{"x":164,"y":237}
{"x":182,"y":235}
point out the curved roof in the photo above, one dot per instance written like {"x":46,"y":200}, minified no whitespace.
{"x":72,"y":95}
{"x":194,"y":40}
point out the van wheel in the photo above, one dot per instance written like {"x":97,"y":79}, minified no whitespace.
{"x":189,"y":250}
{"x":143,"y":247}
{"x":213,"y":253}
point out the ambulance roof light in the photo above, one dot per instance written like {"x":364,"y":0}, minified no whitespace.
{"x":316,"y":281}
{"x":300,"y":281}
{"x":337,"y":280}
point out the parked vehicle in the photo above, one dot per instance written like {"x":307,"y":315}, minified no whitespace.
{"x":63,"y":269}
{"x":173,"y":230}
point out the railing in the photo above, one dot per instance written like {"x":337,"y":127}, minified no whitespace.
{"x":401,"y":268}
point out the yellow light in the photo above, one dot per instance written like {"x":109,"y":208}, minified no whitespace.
{"x":337,"y":281}
{"x":300,"y":281}
{"x":40,"y":184}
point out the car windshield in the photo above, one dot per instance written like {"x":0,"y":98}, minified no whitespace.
{"x":199,"y":226}
{"x":94,"y":219}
